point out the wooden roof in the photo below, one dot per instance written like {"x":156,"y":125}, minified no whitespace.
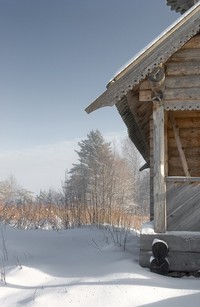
{"x":181,"y":5}
{"x":122,"y":90}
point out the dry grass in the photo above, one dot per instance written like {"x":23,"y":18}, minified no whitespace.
{"x":56,"y":217}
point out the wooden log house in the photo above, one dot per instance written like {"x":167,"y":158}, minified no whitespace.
{"x":158,"y":97}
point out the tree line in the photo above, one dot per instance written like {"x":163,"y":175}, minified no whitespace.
{"x":105,"y":186}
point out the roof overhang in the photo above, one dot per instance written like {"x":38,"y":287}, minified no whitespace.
{"x":156,"y":53}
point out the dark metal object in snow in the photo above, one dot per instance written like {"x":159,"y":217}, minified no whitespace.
{"x":158,"y":262}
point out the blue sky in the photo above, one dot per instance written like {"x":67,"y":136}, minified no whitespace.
{"x":56,"y":57}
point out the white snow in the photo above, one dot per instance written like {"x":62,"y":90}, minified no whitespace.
{"x":82,"y":267}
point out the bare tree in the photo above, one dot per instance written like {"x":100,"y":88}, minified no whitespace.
{"x":139,"y":180}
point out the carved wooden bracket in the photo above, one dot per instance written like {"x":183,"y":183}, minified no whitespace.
{"x":156,"y":81}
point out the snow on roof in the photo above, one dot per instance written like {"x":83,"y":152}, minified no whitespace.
{"x":153,"y":42}
{"x":153,"y":55}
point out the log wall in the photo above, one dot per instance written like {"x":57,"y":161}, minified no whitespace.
{"x":184,"y":249}
{"x":188,"y":125}
{"x":181,"y":98}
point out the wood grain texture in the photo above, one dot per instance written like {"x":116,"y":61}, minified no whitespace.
{"x":178,"y":94}
{"x":158,"y":53}
{"x":178,"y":261}
{"x":159,"y":172}
{"x":183,"y":210}
{"x":184,"y":250}
{"x":188,"y":123}
{"x":176,"y":241}
{"x":186,"y":55}
{"x":179,"y":145}
{"x":193,"y":43}
{"x":182,"y":68}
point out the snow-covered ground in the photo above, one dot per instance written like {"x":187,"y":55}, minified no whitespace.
{"x":82,"y":267}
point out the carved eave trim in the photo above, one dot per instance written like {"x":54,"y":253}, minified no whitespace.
{"x":134,"y":130}
{"x":182,"y":106}
{"x":157,"y":53}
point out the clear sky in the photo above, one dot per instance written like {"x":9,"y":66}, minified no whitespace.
{"x":56,"y":57}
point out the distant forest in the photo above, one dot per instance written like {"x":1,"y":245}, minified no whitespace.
{"x":105,"y":187}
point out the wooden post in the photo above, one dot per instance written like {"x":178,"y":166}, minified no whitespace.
{"x":157,"y":84}
{"x":159,"y":168}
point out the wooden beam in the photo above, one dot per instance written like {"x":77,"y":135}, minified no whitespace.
{"x":182,"y":179}
{"x":176,"y":81}
{"x":192,"y":94}
{"x":182,"y":94}
{"x":151,"y":170}
{"x":191,"y":81}
{"x":186,"y":55}
{"x":159,"y":184}
{"x":182,"y":68}
{"x":179,"y":145}
{"x":158,"y":52}
{"x":193,"y":43}
{"x":166,"y":144}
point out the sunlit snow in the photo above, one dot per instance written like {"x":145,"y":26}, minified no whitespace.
{"x":82,"y":267}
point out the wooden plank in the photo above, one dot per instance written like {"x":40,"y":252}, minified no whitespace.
{"x":182,"y":179}
{"x":182,"y":105}
{"x":182,"y":68}
{"x":184,"y":249}
{"x":186,"y":262}
{"x":193,"y":162}
{"x":177,"y":81}
{"x":183,"y":209}
{"x":190,"y":81}
{"x":182,"y":94}
{"x":145,"y":85}
{"x":159,"y":162}
{"x":189,"y":152}
{"x":186,"y":55}
{"x":186,"y":132}
{"x":179,"y":145}
{"x":187,"y":114}
{"x":176,"y":240}
{"x":190,"y":122}
{"x":192,"y":43}
{"x":145,"y":95}
{"x":166,"y":141}
{"x":176,"y":94}
{"x":176,"y":170}
{"x":183,"y":206}
{"x":178,"y":261}
{"x":173,"y":171}
{"x":186,"y":142}
{"x":151,"y":171}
